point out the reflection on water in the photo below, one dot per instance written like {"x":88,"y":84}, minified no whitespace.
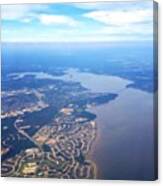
{"x":124,"y":143}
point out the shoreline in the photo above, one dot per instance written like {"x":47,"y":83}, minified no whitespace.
{"x":94,"y":144}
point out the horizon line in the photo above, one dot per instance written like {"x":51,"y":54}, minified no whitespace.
{"x":111,"y":41}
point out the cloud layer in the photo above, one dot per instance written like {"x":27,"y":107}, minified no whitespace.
{"x":128,"y":21}
{"x":121,"y":17}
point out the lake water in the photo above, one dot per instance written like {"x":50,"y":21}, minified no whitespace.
{"x":93,"y":82}
{"x":124,"y":144}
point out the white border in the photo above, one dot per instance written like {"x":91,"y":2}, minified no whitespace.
{"x":53,"y":182}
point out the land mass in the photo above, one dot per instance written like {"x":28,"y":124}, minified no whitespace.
{"x":46,"y":128}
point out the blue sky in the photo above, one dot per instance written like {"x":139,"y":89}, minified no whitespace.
{"x":78,"y":22}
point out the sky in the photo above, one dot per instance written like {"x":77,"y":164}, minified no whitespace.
{"x":78,"y":22}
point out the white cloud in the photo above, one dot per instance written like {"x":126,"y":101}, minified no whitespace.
{"x":47,"y":19}
{"x":26,"y":13}
{"x":23,"y":13}
{"x":120,"y":17}
{"x":123,"y":25}
{"x":14,"y":12}
{"x":118,"y":24}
